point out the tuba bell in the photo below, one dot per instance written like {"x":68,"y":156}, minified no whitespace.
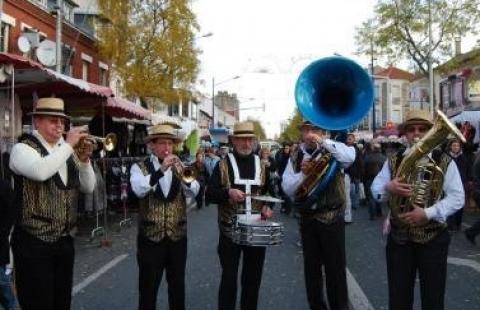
{"x":334,"y":93}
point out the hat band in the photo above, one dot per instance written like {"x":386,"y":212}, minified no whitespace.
{"x":48,"y":110}
{"x":242,"y":132}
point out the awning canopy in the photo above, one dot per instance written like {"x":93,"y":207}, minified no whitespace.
{"x":32,"y":80}
{"x":120,"y":107}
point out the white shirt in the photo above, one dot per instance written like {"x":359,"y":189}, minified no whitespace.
{"x":141,"y":183}
{"x":343,"y":153}
{"x":452,"y":187}
{"x":26,"y":161}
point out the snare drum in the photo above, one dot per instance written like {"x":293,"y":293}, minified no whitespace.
{"x":255,"y":232}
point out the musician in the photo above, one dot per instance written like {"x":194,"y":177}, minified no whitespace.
{"x":322,"y":225}
{"x":419,"y":239}
{"x":47,"y":175}
{"x":162,"y":225}
{"x":232,"y":179}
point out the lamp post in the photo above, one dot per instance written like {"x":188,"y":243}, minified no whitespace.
{"x":430,"y":65}
{"x":213,"y":95}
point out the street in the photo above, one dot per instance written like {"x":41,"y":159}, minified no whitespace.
{"x":106,"y":277}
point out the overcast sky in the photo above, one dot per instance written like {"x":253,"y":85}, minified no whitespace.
{"x":268,"y":43}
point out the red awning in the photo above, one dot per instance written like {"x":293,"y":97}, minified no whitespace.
{"x":120,"y":107}
{"x":32,"y":76}
{"x":81,"y":97}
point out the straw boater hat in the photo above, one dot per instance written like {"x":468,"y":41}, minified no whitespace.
{"x":244,"y":130}
{"x":164,"y":131}
{"x":306,"y":124}
{"x":50,"y":106}
{"x":417,"y":117}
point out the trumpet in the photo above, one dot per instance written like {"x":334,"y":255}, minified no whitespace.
{"x":109,"y":142}
{"x":187,"y":173}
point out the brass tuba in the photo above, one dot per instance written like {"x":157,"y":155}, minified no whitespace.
{"x":424,"y":177}
{"x":333,"y":93}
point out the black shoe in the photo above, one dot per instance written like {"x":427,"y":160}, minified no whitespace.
{"x":470,"y":238}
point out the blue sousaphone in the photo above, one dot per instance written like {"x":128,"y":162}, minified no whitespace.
{"x":334,"y":93}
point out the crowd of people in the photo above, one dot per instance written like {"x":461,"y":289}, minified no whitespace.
{"x":49,"y":168}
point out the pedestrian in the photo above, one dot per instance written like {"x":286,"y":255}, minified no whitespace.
{"x":355,"y":172}
{"x":7,"y":216}
{"x":418,"y":239}
{"x":374,"y":161}
{"x":281,"y":161}
{"x":202,"y":176}
{"x":464,"y":166}
{"x":162,"y":225}
{"x":322,"y":225}
{"x":235,"y":177}
{"x":49,"y":170}
{"x":211,"y":158}
{"x":473,"y":231}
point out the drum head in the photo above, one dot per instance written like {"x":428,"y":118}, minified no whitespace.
{"x":267,"y":199}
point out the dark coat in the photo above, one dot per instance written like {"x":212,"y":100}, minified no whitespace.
{"x":6,"y":220}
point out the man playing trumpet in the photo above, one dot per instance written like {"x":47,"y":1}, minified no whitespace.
{"x":47,"y":175}
{"x":162,"y":231}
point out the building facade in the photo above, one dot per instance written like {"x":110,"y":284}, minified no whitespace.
{"x":391,"y":97}
{"x":35,"y":21}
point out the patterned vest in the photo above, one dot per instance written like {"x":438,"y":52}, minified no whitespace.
{"x":227,"y":212}
{"x":402,"y":232}
{"x":160,"y":216}
{"x":47,"y":210}
{"x":330,"y":206}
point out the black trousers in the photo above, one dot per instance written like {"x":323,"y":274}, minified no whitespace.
{"x":43,"y":271}
{"x":153,"y":258}
{"x":324,"y":245}
{"x":474,"y":230}
{"x":253,"y":258}
{"x":403,"y":262}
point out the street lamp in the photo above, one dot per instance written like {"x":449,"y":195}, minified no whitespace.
{"x":213,"y":94}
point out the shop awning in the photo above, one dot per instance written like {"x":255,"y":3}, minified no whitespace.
{"x":120,"y":107}
{"x":32,"y":79}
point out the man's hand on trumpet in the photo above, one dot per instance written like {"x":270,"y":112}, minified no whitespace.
{"x":169,"y":161}
{"x":77,"y":138}
{"x":75,"y":135}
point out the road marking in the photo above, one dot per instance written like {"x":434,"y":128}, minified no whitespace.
{"x":80,"y":286}
{"x":464,"y":262}
{"x":357,"y":297}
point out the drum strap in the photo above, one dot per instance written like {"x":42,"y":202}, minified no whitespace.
{"x":247,"y":182}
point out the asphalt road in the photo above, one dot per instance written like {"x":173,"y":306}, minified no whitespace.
{"x":106,"y":277}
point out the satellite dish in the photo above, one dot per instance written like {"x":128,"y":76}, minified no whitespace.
{"x":24,"y":44}
{"x":46,"y":53}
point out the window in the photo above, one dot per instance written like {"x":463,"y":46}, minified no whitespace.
{"x":4,"y":37}
{"x":185,"y":106}
{"x":43,"y":2}
{"x":395,"y":91}
{"x":67,"y":59}
{"x":102,"y":77}
{"x":85,"y":69}
{"x":68,"y":11}
{"x":173,"y":109}
{"x":194,"y":112}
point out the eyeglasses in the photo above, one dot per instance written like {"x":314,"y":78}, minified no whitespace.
{"x":419,"y":128}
